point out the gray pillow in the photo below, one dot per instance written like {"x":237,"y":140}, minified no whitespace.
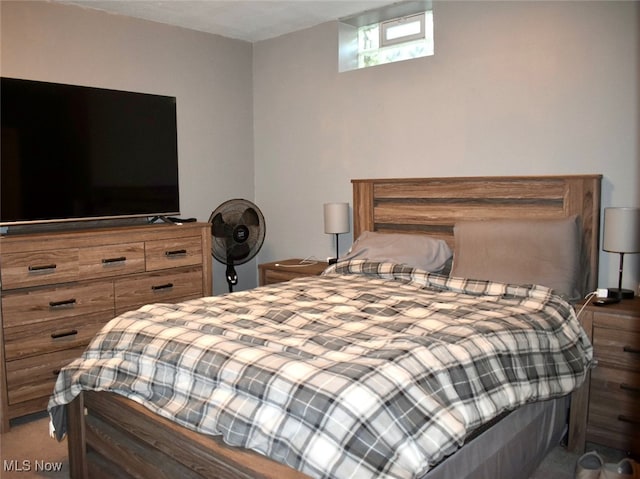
{"x":544,"y":252}
{"x":420,"y":251}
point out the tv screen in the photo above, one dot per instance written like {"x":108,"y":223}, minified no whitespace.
{"x":76,"y":153}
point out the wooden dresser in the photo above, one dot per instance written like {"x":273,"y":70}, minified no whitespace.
{"x":606,"y":410}
{"x":59,"y":288}
{"x":288,"y":269}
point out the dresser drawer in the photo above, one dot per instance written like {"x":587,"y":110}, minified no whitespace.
{"x":47,"y":304}
{"x":615,"y":394}
{"x":162,"y":287}
{"x":34,"y":377}
{"x":618,"y":347}
{"x":55,"y":335}
{"x":20,"y":270}
{"x":614,"y":408}
{"x":615,"y":418}
{"x":111,"y":260}
{"x":627,"y":439}
{"x":173,"y":253}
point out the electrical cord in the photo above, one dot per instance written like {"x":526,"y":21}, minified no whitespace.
{"x":587,"y":298}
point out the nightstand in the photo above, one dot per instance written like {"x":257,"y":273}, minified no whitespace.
{"x":288,"y":269}
{"x":606,"y":409}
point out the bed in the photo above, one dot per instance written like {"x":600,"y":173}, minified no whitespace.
{"x":112,"y":436}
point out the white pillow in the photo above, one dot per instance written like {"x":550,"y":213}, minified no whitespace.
{"x":420,"y":251}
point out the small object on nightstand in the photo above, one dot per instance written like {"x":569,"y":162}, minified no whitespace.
{"x":605,"y":301}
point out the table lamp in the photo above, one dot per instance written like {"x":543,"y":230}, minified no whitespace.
{"x":336,"y":221}
{"x":621,"y":235}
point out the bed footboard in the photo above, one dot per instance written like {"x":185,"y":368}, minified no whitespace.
{"x":110,"y":436}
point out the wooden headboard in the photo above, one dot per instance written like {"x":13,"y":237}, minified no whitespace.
{"x":433,"y":205}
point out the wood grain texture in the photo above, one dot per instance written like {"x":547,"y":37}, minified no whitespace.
{"x":44,"y":305}
{"x":33,"y":377}
{"x":173,"y":253}
{"x":21,"y":270}
{"x":434,"y":205}
{"x":112,"y":260}
{"x":69,"y":332}
{"x":60,"y":287}
{"x":288,"y":269}
{"x":167,"y":286}
{"x":135,"y":442}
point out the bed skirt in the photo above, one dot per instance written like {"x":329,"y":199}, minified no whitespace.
{"x":513,"y":447}
{"x":111,"y":436}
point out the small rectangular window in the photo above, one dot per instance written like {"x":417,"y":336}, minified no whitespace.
{"x":402,"y":30}
{"x":398,"y":32}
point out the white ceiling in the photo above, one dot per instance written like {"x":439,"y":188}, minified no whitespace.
{"x":251,"y":21}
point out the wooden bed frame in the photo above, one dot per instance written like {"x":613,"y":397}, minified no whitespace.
{"x":433,"y":205}
{"x":110,"y":436}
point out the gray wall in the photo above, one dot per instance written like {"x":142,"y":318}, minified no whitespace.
{"x":514,"y":88}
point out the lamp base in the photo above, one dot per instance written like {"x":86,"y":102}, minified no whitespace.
{"x":616,"y":293}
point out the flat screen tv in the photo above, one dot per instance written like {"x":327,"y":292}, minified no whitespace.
{"x":72,"y":153}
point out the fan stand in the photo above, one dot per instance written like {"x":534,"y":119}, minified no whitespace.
{"x":232,"y":277}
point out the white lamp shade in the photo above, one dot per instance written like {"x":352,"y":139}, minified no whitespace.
{"x":336,"y":218}
{"x":621,"y":230}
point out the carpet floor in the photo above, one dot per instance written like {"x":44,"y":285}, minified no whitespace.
{"x":27,"y":451}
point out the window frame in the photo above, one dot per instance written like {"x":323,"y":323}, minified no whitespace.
{"x":385,"y":26}
{"x":355,"y":54}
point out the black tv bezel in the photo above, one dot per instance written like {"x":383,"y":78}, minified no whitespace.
{"x":95,"y":220}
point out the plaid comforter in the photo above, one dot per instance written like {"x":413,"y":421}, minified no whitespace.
{"x":371,"y":370}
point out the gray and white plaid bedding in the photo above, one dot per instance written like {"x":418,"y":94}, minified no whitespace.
{"x":371,"y":370}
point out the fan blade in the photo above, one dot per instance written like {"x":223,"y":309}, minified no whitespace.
{"x":250,"y":217}
{"x":238,"y":252}
{"x":218,"y":227}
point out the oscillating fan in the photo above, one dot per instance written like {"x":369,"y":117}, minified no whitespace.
{"x":238,"y":230}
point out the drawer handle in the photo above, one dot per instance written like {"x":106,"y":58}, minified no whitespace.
{"x":176,"y":252}
{"x":162,"y":287}
{"x":630,"y":420}
{"x":629,"y":388}
{"x":63,"y":303}
{"x":119,"y":259}
{"x":73,"y":332}
{"x":43,"y":268}
{"x":629,"y":349}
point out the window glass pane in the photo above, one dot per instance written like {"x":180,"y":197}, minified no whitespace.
{"x":402,"y":30}
{"x":368,"y":37}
